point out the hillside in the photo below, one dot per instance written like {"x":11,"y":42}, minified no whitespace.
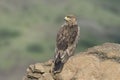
{"x":97,"y":63}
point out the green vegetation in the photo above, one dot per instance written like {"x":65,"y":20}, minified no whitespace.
{"x":28,"y":27}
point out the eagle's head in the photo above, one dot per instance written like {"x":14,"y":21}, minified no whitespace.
{"x":71,"y":20}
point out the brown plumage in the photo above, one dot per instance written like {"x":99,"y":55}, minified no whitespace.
{"x":66,"y":41}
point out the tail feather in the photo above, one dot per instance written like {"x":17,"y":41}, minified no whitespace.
{"x":59,"y":62}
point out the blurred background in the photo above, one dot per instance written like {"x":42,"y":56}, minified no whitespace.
{"x":28,"y":29}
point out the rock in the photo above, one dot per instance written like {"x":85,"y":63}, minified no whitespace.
{"x":97,"y":63}
{"x":38,"y":68}
{"x":33,"y":75}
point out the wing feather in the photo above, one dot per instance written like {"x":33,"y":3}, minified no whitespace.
{"x":62,"y":41}
{"x":66,"y":37}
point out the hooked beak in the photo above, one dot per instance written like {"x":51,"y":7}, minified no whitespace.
{"x":66,"y":19}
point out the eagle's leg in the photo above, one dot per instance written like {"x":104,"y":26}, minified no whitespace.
{"x":65,"y":57}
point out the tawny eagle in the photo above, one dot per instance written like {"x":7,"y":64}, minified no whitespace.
{"x":66,"y":41}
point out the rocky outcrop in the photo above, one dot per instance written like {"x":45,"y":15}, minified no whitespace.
{"x":97,"y":63}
